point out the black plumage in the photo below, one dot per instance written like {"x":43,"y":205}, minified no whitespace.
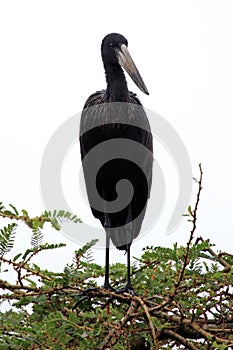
{"x":113,"y":116}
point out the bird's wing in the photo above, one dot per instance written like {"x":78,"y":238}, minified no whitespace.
{"x":96,"y":98}
{"x":146,"y":137}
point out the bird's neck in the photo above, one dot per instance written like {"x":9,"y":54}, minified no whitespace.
{"x":116,"y":83}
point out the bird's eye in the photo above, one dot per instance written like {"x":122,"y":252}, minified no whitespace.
{"x":111,"y":44}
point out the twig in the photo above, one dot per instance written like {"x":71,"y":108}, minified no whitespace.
{"x":27,"y":268}
{"x":132,"y":309}
{"x":224,"y":253}
{"x":193,"y":214}
{"x":25,"y":218}
{"x":154,"y":336}
{"x":217,"y":256}
{"x":6,"y":285}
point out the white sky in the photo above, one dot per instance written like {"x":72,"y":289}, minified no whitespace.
{"x":50,"y":63}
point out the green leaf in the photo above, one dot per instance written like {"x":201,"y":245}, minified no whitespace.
{"x":17,"y":256}
{"x":14,"y":208}
{"x":8,"y":212}
{"x":190,"y":210}
{"x":25,"y":213}
{"x":7,"y":238}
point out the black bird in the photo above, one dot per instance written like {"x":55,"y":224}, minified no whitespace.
{"x":115,"y":116}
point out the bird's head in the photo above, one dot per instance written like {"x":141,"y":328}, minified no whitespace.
{"x":114,"y":50}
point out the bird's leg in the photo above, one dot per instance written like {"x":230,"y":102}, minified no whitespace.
{"x":128,"y":278}
{"x":106,"y":280}
{"x":128,"y":287}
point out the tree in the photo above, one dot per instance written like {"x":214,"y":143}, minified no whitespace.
{"x":184,"y":296}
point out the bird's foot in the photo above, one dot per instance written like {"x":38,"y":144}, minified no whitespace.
{"x":108,"y":287}
{"x":127,"y":289}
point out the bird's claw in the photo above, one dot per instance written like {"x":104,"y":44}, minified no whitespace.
{"x":126,"y":289}
{"x":109,"y":287}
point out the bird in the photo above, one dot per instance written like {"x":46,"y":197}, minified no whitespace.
{"x":115,"y":117}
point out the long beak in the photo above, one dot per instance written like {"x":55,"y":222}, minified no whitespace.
{"x":125,"y":60}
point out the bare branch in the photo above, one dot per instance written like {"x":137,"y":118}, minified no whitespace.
{"x":173,"y":335}
{"x":194,"y":221}
{"x":154,"y":336}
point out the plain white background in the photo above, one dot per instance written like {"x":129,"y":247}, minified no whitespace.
{"x":50,"y":63}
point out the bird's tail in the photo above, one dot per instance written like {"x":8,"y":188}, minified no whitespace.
{"x":121,"y":237}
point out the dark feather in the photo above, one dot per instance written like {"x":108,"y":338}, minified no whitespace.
{"x":102,"y":120}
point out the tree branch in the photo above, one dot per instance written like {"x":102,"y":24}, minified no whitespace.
{"x":193,"y":214}
{"x":173,"y":335}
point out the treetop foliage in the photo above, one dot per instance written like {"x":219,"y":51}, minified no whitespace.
{"x":184,"y":294}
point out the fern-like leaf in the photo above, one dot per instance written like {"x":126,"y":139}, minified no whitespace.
{"x":85,"y":249}
{"x":37,"y":238}
{"x":7,"y":237}
{"x":1,"y":207}
{"x":14,"y":208}
{"x":58,"y":217}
